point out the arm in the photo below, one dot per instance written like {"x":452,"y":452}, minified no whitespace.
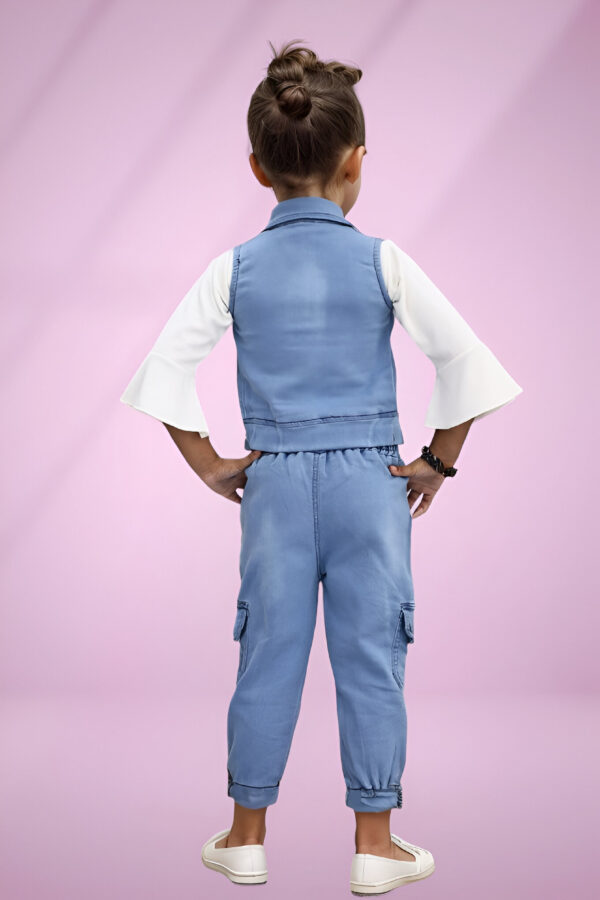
{"x":164,"y":385}
{"x":470,"y":381}
{"x":222,"y":475}
{"x":447,"y":442}
{"x":197,"y":450}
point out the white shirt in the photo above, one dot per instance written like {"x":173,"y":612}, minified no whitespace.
{"x":470,"y":382}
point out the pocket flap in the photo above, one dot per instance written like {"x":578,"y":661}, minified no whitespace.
{"x":240,"y":621}
{"x":408,"y":618}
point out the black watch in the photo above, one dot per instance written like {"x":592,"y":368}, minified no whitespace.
{"x":437,"y":464}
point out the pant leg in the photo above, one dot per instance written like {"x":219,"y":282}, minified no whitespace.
{"x":274,"y":623}
{"x":368,"y":604}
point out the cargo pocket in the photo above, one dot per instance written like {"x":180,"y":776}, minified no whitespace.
{"x":240,"y":633}
{"x":405,"y":635}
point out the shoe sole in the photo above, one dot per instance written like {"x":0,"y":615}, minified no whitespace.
{"x":261,"y":878}
{"x":363,"y":890}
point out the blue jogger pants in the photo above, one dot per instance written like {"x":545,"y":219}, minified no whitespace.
{"x":340,"y":517}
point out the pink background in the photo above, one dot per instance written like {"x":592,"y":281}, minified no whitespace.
{"x":123,"y":172}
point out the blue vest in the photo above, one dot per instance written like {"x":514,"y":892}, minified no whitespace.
{"x":312,"y":321}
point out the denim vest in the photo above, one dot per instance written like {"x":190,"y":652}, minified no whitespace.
{"x":312,"y":321}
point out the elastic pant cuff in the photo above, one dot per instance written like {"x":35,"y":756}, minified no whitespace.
{"x":252,"y":797}
{"x":371,"y":800}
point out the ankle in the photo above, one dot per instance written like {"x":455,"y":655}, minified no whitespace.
{"x":239,"y":838}
{"x":376,"y":848}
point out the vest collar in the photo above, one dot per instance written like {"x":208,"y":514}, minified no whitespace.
{"x":306,"y":208}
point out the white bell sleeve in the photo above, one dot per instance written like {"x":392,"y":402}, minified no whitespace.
{"x":164,"y":385}
{"x":470,"y":381}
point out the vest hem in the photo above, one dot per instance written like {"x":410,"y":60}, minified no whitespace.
{"x":328,"y":433}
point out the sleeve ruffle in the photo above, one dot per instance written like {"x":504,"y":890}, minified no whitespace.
{"x":471,"y":386}
{"x":167,"y":392}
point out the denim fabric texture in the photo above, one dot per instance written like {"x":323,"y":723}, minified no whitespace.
{"x":341,"y":518}
{"x":312,"y":321}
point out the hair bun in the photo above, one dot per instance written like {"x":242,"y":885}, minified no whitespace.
{"x":303,"y":115}
{"x":293,"y":99}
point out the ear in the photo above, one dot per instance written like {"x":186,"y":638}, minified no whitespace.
{"x":258,"y":172}
{"x":354,"y":163}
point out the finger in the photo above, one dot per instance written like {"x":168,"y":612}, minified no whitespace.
{"x":412,"y":496}
{"x":400,"y":471}
{"x":423,"y":506}
{"x":245,"y":461}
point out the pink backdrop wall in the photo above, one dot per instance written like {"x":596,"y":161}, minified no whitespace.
{"x":123,"y":170}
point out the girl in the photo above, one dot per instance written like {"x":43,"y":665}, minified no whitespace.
{"x":327,"y":499}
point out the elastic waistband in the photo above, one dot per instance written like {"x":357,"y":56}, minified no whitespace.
{"x":385,"y":448}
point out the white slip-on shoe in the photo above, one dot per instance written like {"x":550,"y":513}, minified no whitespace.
{"x":370,"y":874}
{"x":246,"y":864}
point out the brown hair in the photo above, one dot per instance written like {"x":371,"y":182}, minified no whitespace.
{"x":303,"y":116}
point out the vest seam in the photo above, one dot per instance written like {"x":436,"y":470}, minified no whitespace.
{"x":377,"y":263}
{"x":234,"y":277}
{"x":277,"y":423}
